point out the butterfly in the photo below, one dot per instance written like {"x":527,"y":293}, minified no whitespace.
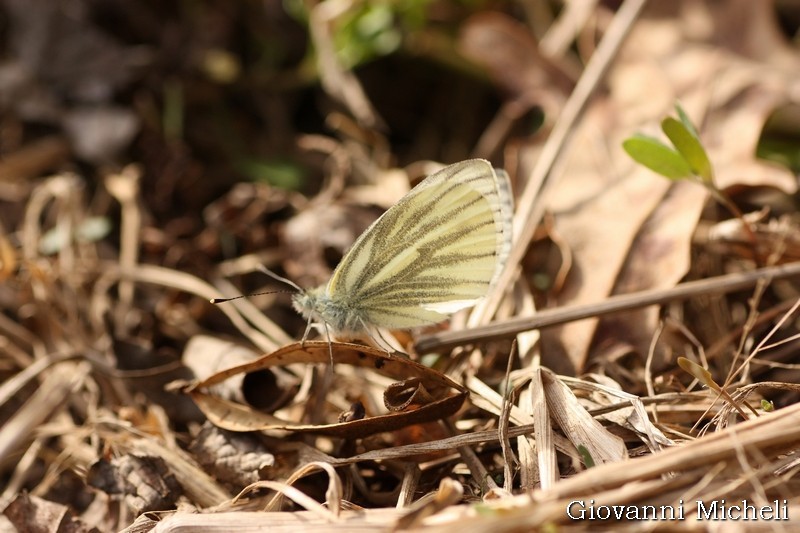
{"x":439,"y":249}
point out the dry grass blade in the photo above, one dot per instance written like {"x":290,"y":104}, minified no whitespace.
{"x":192,"y":285}
{"x":49,"y":396}
{"x":488,"y":399}
{"x":125,"y":188}
{"x":296,"y":495}
{"x":333,"y":496}
{"x":375,"y":520}
{"x":547,"y":462}
{"x":640,"y":481}
{"x":770,"y":434}
{"x":531,"y":206}
{"x":449,"y":493}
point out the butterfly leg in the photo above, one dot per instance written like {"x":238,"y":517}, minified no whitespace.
{"x":330,"y":344}
{"x":305,"y":335}
{"x":378,"y":340}
{"x":385,"y":344}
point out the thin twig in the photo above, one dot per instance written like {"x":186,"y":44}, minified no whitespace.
{"x":531,"y":206}
{"x":613,"y":304}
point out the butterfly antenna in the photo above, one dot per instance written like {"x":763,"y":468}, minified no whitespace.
{"x":223,"y":300}
{"x":276,"y":277}
{"x":270,"y":273}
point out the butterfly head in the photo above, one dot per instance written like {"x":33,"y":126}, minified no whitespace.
{"x":305,"y":302}
{"x":317,"y":306}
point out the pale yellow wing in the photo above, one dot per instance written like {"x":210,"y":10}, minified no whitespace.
{"x":438,"y":250}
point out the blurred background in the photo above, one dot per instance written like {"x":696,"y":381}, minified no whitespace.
{"x":207,"y":137}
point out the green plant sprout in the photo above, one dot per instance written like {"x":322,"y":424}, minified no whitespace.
{"x":686,"y":159}
{"x":586,"y":455}
{"x":704,"y":377}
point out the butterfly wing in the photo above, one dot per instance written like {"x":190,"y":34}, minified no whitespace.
{"x":438,"y":250}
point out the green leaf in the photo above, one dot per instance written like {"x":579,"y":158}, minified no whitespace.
{"x":657,"y":156}
{"x":586,"y":456}
{"x":278,"y":173}
{"x":685,"y":120}
{"x":689,"y":146}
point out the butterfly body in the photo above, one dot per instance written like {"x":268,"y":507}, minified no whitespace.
{"x":438,"y":250}
{"x":340,"y":315}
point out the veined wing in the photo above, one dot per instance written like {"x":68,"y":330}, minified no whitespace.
{"x":439,"y":249}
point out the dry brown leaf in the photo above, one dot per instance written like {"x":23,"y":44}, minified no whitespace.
{"x":32,"y":513}
{"x":232,"y":458}
{"x":145,"y":482}
{"x":442,"y":395}
{"x":578,"y":425}
{"x":508,"y":51}
{"x":629,"y":229}
{"x":546,"y":459}
{"x":33,"y":159}
{"x":658,"y":258}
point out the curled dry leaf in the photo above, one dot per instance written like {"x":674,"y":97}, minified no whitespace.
{"x":234,"y":459}
{"x":577,"y":424}
{"x":145,"y":482}
{"x":422,"y":395}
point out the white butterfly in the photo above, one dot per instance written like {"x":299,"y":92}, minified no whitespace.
{"x":438,"y":250}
